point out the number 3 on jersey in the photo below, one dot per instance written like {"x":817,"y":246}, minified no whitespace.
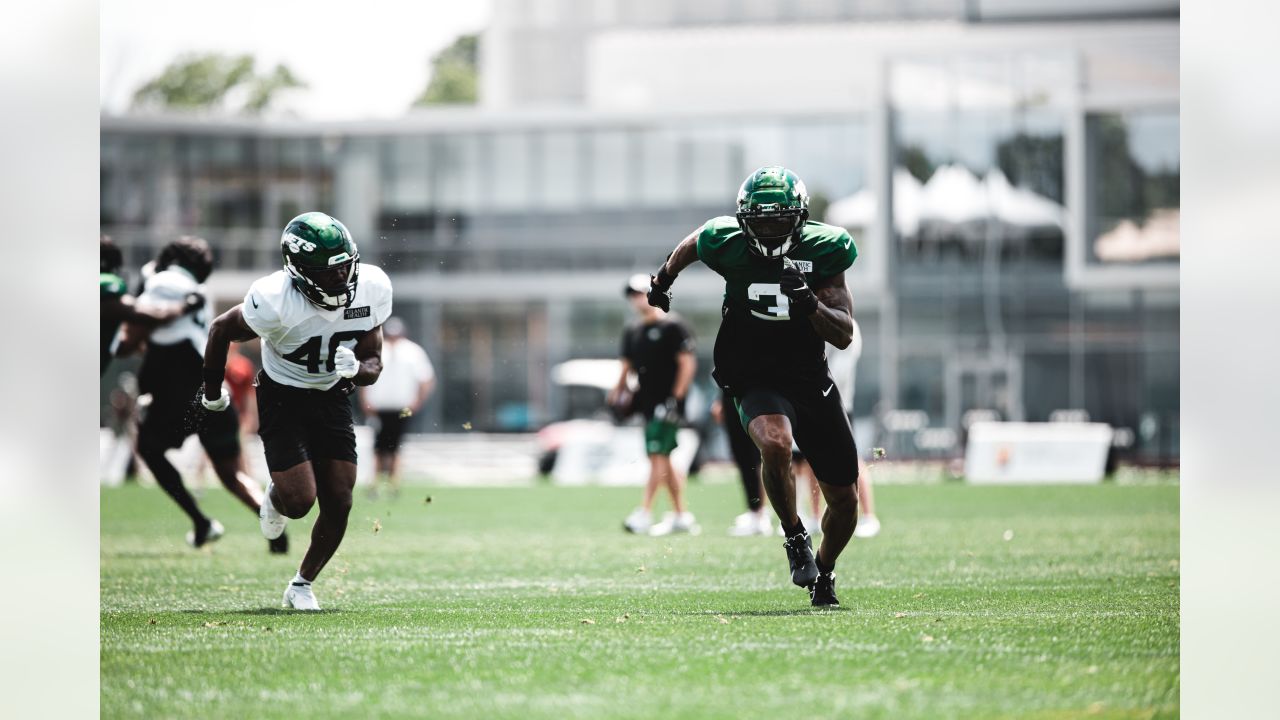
{"x":767,"y":301}
{"x":308,"y":353}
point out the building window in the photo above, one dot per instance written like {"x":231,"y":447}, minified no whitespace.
{"x":1132,"y":178}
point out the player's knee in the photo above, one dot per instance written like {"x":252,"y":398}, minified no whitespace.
{"x":336,"y":501}
{"x":775,"y":449}
{"x":843,"y":505}
{"x":294,"y":503}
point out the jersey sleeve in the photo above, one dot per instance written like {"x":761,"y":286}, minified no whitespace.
{"x":711,"y":240}
{"x":426,"y":371}
{"x":683,"y":338}
{"x":167,"y":287}
{"x":110,"y":285}
{"x":838,"y":257}
{"x":380,"y":298}
{"x":624,"y":347}
{"x":259,"y":314}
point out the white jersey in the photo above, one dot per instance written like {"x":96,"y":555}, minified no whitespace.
{"x":299,"y":339}
{"x":844,"y":367}
{"x":173,"y":285}
{"x":405,"y":366}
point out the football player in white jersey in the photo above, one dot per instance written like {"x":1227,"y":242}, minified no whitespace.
{"x":172,"y":371}
{"x":320,"y":321}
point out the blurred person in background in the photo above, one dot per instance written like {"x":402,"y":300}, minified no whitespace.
{"x":240,"y":372}
{"x":323,"y":297}
{"x":171,"y":373}
{"x":658,"y":348}
{"x":844,"y":370}
{"x":785,"y":298}
{"x":116,"y":306}
{"x":746,"y":456}
{"x":407,"y":380}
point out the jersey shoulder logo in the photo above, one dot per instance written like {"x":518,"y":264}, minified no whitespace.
{"x":356,"y":312}
{"x":253,"y":300}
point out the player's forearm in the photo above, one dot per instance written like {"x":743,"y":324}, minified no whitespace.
{"x":227,"y":328}
{"x":370,"y":369}
{"x":685,"y":254}
{"x":833,"y":320}
{"x":686,"y":365}
{"x":130,"y":339}
{"x":833,"y":325}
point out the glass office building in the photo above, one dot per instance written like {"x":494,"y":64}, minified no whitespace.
{"x":1015,"y":208}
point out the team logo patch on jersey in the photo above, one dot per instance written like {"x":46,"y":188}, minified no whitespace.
{"x":352,"y":313}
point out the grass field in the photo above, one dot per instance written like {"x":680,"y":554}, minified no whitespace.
{"x":531,"y":603}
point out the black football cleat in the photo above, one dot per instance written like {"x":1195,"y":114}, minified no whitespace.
{"x":800,"y":554}
{"x":822,"y":593}
{"x":202,"y":535}
{"x":280,"y":545}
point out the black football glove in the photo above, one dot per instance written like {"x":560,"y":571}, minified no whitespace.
{"x":659,"y":294}
{"x":802,"y":300}
{"x":194,"y":302}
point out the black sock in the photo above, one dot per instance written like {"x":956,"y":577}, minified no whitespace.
{"x":170,"y":480}
{"x":823,"y":567}
{"x":790,"y":531}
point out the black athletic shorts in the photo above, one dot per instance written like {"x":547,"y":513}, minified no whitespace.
{"x":390,"y":431}
{"x":298,"y":425}
{"x":818,"y":422}
{"x":175,"y":413}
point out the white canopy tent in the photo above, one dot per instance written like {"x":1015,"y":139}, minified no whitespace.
{"x":954,"y":201}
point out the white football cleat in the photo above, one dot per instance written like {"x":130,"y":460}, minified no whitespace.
{"x":868,"y":527}
{"x":299,"y":597}
{"x":638,"y":522}
{"x":271,"y":521}
{"x":676,"y":523}
{"x":215,"y":531}
{"x":751,"y":523}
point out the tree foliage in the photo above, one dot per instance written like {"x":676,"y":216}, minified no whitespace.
{"x":453,"y":74}
{"x":207,"y":81}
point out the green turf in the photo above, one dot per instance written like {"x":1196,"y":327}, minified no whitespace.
{"x":531,"y":603}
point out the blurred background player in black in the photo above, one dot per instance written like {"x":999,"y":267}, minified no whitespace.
{"x":406,"y":382}
{"x":658,"y":349}
{"x":116,"y":306}
{"x":746,"y":456}
{"x":172,"y":373}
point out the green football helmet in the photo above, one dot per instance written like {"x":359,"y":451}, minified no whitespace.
{"x":773,"y":206}
{"x":321,"y":259}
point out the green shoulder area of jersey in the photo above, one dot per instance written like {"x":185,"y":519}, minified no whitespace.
{"x":829,"y":248}
{"x":110,"y":284}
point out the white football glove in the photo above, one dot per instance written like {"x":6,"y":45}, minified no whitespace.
{"x":219,"y":403}
{"x":345,"y":363}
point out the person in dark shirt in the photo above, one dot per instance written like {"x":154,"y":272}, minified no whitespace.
{"x":657,"y":351}
{"x":117,"y":306}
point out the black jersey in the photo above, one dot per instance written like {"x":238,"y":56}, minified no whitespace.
{"x":759,"y":341}
{"x":651,"y":349}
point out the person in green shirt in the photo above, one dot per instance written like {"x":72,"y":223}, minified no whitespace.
{"x":116,"y":306}
{"x":785,"y":297}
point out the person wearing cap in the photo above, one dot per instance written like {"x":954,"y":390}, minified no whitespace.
{"x":405,"y":384}
{"x":657,"y":351}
